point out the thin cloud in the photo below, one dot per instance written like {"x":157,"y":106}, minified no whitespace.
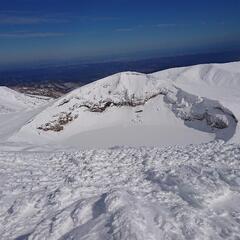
{"x":202,"y":23}
{"x":22,"y":34}
{"x":36,"y":17}
{"x":94,"y":19}
{"x":105,"y":18}
{"x":124,"y":30}
{"x":166,"y":25}
{"x":161,"y":25}
{"x":11,"y":19}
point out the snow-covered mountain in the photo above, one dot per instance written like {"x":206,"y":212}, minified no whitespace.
{"x":52,"y":189}
{"x":177,"y":106}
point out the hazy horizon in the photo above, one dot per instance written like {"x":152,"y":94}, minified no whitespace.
{"x":33,"y":31}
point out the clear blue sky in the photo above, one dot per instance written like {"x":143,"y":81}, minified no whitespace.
{"x":33,"y":30}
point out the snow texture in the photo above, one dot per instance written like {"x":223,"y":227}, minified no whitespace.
{"x":143,"y":193}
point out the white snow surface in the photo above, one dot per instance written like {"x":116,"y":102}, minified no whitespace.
{"x":190,"y":192}
{"x":16,"y":110}
{"x":12,"y":101}
{"x":175,"y":106}
{"x":128,"y":157}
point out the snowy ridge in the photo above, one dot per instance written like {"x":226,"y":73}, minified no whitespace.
{"x":215,"y":81}
{"x":122,"y":193}
{"x":200,"y":100}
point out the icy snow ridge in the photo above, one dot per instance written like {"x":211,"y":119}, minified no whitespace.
{"x":122,"y":193}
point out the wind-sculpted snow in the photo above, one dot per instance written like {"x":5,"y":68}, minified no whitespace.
{"x":143,"y":193}
{"x":194,"y":109}
{"x":214,"y":81}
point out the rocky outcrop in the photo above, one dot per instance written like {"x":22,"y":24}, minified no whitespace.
{"x":57,"y":125}
{"x":64,"y":118}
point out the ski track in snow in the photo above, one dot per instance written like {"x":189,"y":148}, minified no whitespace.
{"x":143,"y":193}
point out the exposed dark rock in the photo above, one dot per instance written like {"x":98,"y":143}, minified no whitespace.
{"x":57,"y":125}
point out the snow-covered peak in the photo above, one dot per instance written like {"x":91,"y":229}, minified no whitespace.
{"x":120,"y":87}
{"x":198,"y":102}
{"x":201,"y":80}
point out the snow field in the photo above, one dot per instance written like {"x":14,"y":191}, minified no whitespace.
{"x":188,"y":192}
{"x":112,"y":160}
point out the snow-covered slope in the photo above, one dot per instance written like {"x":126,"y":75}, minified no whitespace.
{"x":177,"y":106}
{"x":170,"y":193}
{"x":215,"y":81}
{"x":12,"y":101}
{"x":16,"y":109}
{"x":60,"y":192}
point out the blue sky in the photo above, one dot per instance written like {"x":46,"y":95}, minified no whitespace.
{"x":34,"y":30}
